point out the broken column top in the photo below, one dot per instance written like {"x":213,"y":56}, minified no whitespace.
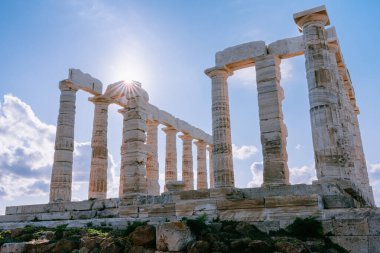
{"x":85,"y":82}
{"x":122,"y":91}
{"x":315,"y":14}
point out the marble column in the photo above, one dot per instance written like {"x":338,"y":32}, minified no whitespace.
{"x":201,"y":165}
{"x":171,"y":155}
{"x":325,"y":116}
{"x":99,"y":157}
{"x":210,"y":166}
{"x":221,"y":128}
{"x":187,"y":162}
{"x":136,"y":151}
{"x":122,"y":152}
{"x":152,"y":166}
{"x":61,"y":177}
{"x":272,"y":127}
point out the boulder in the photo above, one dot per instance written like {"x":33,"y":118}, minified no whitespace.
{"x":13,"y":247}
{"x":173,"y":236}
{"x":239,"y":245}
{"x":65,"y":245}
{"x":90,"y":242}
{"x":144,"y":236}
{"x":108,"y":245}
{"x":199,"y":247}
{"x":290,"y":245}
{"x":259,"y":246}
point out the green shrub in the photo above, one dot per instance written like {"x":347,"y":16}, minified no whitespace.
{"x":197,"y":225}
{"x":303,"y":228}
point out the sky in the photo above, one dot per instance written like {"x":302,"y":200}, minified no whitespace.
{"x":165,"y":45}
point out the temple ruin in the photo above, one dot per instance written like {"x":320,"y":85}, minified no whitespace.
{"x":341,"y":194}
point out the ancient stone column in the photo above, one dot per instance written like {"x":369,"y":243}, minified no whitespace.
{"x":201,"y":165}
{"x":221,"y":128}
{"x":135,"y":149}
{"x":210,"y":166}
{"x":171,"y":155}
{"x":61,"y":177}
{"x":272,"y":126}
{"x":187,"y":162}
{"x":122,"y":152}
{"x":152,"y":172}
{"x":323,"y":96}
{"x":99,"y":158}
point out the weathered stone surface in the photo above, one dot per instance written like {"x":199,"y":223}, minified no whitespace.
{"x":173,"y":236}
{"x":171,"y":155}
{"x":152,"y":172}
{"x":187,"y":162}
{"x":201,"y":165}
{"x":290,"y":245}
{"x":85,"y":82}
{"x":357,"y":244}
{"x":199,"y":247}
{"x":241,"y":55}
{"x":144,"y":236}
{"x":18,"y":247}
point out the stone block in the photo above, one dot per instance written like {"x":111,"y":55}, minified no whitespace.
{"x":285,"y":201}
{"x":337,"y":201}
{"x":194,"y":194}
{"x":55,"y":216}
{"x":374,"y":225}
{"x":85,"y":82}
{"x":173,"y":236}
{"x":354,"y":244}
{"x":373,"y":244}
{"x":195,"y":207}
{"x":240,"y":204}
{"x":287,"y":48}
{"x":163,"y":210}
{"x":350,"y":227}
{"x":241,"y":55}
{"x":14,"y":247}
{"x":129,"y":211}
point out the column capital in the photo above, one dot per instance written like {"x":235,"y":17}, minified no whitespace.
{"x":169,"y":130}
{"x":200,"y":143}
{"x":186,"y":137}
{"x":100,"y":99}
{"x":317,"y":15}
{"x":222,"y":71}
{"x":66,"y":85}
{"x":153,"y":123}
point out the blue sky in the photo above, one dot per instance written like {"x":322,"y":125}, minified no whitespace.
{"x":166,"y":45}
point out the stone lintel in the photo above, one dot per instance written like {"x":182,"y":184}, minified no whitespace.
{"x":101,"y":99}
{"x":318,"y":14}
{"x":84,"y":81}
{"x":240,"y":56}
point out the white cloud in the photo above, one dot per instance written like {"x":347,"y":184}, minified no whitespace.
{"x":298,"y":146}
{"x":243,"y":152}
{"x":247,"y":77}
{"x":26,"y":156}
{"x":298,"y":175}
{"x":374,"y":179}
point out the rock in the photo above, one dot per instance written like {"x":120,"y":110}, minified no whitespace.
{"x":47,"y":235}
{"x":38,"y":246}
{"x":137,"y":249}
{"x":108,"y":245}
{"x":173,"y":236}
{"x":199,"y":247}
{"x":290,"y":245}
{"x":13,"y":247}
{"x":83,"y":250}
{"x":90,"y":242}
{"x":65,"y":245}
{"x":239,"y":245}
{"x":219,"y":247}
{"x":144,"y":236}
{"x":259,"y":246}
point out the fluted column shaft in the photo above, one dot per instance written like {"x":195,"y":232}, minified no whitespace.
{"x":221,"y":128}
{"x":122,"y":152}
{"x":136,"y":151}
{"x":61,"y":177}
{"x":323,"y":96}
{"x":210,"y":166}
{"x":171,"y":155}
{"x":187,"y":162}
{"x":201,"y":165}
{"x":272,"y":127}
{"x":152,"y":166}
{"x":99,"y":157}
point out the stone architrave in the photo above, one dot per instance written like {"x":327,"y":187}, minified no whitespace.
{"x":134,"y":137}
{"x":221,"y":128}
{"x":171,"y":155}
{"x":210,"y":166}
{"x":187,"y":162}
{"x":61,"y":177}
{"x":272,"y":126}
{"x":152,"y":172}
{"x":201,"y":165}
{"x":323,"y":96}
{"x":99,"y":157}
